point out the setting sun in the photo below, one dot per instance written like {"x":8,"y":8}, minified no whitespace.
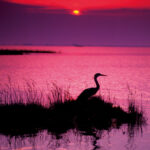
{"x":76,"y":12}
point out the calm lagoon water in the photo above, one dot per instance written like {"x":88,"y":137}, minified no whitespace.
{"x":126,"y":68}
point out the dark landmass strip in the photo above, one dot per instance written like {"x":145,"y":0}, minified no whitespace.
{"x":78,"y":45}
{"x":21,"y":52}
{"x":94,"y":114}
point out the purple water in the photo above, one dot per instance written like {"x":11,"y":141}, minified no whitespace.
{"x":74,"y":67}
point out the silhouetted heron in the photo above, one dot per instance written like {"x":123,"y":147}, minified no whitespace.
{"x":90,"y":91}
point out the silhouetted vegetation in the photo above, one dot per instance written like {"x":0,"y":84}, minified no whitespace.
{"x":29,"y":117}
{"x":21,"y":52}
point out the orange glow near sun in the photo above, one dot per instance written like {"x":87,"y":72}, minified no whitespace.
{"x":76,"y":12}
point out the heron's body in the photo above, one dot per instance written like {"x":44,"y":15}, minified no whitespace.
{"x":90,"y":91}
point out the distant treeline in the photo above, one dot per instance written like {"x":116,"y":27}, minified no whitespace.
{"x":21,"y":52}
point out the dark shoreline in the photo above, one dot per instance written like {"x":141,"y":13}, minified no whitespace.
{"x":23,"y":52}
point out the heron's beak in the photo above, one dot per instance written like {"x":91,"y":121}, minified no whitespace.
{"x":103,"y":75}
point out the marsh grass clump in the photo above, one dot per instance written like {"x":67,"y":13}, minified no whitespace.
{"x":25,"y":113}
{"x":58,"y":95}
{"x":135,"y":111}
{"x":10,"y":93}
{"x":20,"y":119}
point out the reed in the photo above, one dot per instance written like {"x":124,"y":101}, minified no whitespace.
{"x":10,"y":93}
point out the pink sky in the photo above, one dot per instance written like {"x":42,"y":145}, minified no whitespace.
{"x":86,"y":4}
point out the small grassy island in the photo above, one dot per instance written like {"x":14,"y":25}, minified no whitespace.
{"x":22,"y":52}
{"x":24,"y":112}
{"x":94,"y":114}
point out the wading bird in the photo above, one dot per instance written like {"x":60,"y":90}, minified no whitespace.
{"x":90,"y":91}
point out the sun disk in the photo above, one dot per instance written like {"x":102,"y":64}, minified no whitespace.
{"x":76,"y":12}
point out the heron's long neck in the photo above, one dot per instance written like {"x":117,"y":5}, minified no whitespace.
{"x":97,"y":84}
